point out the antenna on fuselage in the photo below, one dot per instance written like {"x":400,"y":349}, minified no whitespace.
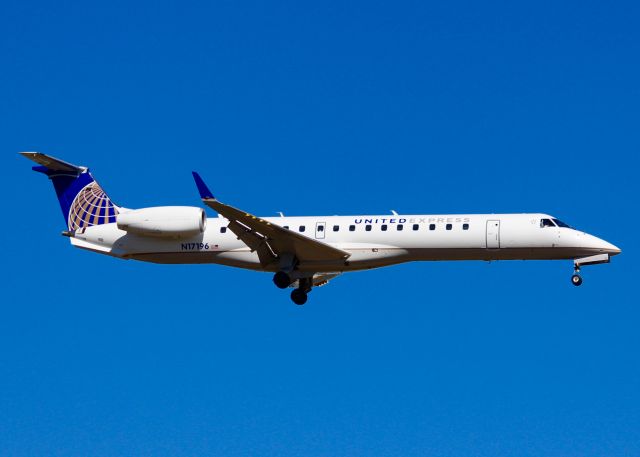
{"x":393,"y":211}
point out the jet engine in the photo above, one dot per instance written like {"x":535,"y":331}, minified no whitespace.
{"x":164,"y":221}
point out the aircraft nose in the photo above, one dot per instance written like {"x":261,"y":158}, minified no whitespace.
{"x":613,"y":249}
{"x":593,"y":243}
{"x":607,"y":247}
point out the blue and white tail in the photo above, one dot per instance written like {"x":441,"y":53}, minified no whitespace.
{"x":82,"y":200}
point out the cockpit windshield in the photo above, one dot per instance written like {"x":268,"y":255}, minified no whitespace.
{"x":559,"y":223}
{"x":546,"y":223}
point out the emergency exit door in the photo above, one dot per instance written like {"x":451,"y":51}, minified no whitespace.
{"x":320,"y":227}
{"x":493,"y":234}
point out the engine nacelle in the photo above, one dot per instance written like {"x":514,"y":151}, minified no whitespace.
{"x":164,"y":221}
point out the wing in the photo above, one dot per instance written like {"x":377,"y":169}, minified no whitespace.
{"x":270,"y":241}
{"x":322,"y":279}
{"x":319,"y":279}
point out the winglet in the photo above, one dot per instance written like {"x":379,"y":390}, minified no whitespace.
{"x":205,"y":193}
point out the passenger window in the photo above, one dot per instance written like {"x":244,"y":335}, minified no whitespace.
{"x":416,"y":226}
{"x":400,"y":227}
{"x":432,"y":226}
{"x":336,"y":228}
{"x":320,"y":228}
{"x":449,"y":226}
{"x":546,"y":223}
{"x":465,"y":226}
{"x":223,"y":229}
{"x":367,"y":228}
{"x":301,"y":228}
{"x":352,"y":228}
{"x":383,"y":227}
{"x":285,"y":226}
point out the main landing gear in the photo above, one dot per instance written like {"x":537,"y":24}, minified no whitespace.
{"x":282,"y":280}
{"x":299,"y":295}
{"x":288,"y":274}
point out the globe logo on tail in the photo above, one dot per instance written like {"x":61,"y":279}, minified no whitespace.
{"x":90,"y":207}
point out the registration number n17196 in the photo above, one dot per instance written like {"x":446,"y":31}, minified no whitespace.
{"x":194,"y":246}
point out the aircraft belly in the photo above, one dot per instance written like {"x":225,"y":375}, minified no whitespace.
{"x":364,"y":259}
{"x":376,"y":257}
{"x":521,"y":253}
{"x":240,"y":259}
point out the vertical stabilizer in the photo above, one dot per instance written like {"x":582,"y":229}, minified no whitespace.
{"x":82,"y":200}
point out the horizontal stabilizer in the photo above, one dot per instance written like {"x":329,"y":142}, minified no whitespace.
{"x":52,"y":163}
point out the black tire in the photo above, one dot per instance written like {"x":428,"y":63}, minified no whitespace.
{"x":576,"y":280}
{"x":299,"y":297}
{"x":281,"y":280}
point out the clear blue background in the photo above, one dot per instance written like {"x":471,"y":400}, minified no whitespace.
{"x":322,"y":108}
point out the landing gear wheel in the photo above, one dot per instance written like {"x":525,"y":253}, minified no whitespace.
{"x":576,"y":280}
{"x":281,"y":280}
{"x":299,"y":297}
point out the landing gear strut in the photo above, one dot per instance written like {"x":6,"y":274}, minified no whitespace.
{"x":576,"y":279}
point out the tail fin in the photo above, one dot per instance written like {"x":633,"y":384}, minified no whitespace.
{"x":82,"y":200}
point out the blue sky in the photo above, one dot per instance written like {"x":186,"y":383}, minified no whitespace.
{"x":326,"y":108}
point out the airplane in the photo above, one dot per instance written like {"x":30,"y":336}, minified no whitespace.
{"x":303,"y":252}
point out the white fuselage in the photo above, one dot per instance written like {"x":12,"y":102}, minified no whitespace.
{"x":371,"y":241}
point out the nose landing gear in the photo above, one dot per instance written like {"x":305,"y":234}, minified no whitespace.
{"x":576,"y":279}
